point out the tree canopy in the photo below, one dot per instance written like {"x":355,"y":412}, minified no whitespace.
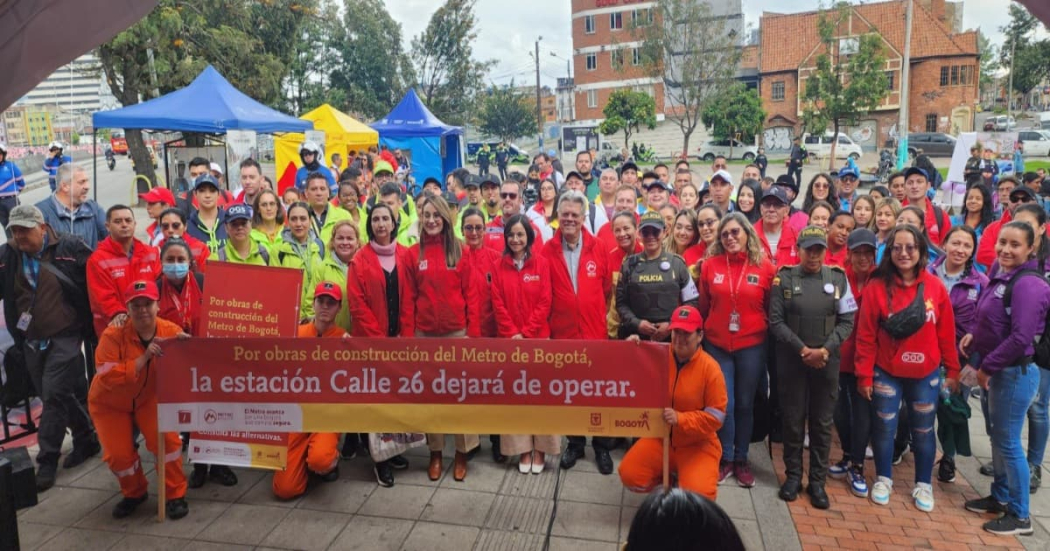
{"x":627,"y":111}
{"x":506,"y":112}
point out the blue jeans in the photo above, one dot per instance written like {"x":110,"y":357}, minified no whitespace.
{"x":920,"y":396}
{"x":1039,"y":420}
{"x":742,"y":371}
{"x":1010,"y":395}
{"x":852,"y":419}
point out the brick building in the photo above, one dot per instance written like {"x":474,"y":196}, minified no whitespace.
{"x":605,"y":58}
{"x":944,"y":69}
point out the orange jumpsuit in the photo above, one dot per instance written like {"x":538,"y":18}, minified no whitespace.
{"x":316,"y":451}
{"x":118,"y":398}
{"x":698,"y":394}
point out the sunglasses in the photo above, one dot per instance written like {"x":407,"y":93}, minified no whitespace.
{"x":172,"y":226}
{"x":650,"y":231}
{"x":508,"y":195}
{"x":732,"y":232}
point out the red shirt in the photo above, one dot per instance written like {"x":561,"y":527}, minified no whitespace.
{"x":935,"y":228}
{"x":522,"y":298}
{"x":916,"y":356}
{"x":110,"y":271}
{"x":494,"y":236}
{"x":198,"y":249}
{"x":837,"y":258}
{"x":986,"y":246}
{"x":484,"y":262}
{"x":580,"y":313}
{"x":731,"y":283}
{"x":446,"y":298}
{"x":848,"y":350}
{"x":787,"y":248}
{"x":366,"y":294}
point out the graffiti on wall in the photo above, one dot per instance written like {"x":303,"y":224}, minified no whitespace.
{"x":778,"y":139}
{"x":865,"y":134}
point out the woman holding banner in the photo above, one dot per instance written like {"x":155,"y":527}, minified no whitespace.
{"x":301,"y":249}
{"x":379,"y":294}
{"x":123,"y":395}
{"x":446,"y":306}
{"x":521,"y":297}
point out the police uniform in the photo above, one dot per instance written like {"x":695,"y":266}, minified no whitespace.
{"x":650,"y":290}
{"x":812,"y":310}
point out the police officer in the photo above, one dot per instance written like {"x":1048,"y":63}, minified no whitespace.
{"x":652,"y":284}
{"x":811,"y":311}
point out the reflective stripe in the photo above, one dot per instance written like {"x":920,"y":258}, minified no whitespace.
{"x":716,"y":413}
{"x":105,"y":368}
{"x":641,"y":489}
{"x":110,"y":262}
{"x":173,"y":456}
{"x":129,"y":471}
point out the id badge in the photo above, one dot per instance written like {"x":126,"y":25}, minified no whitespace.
{"x":23,"y":321}
{"x":734,"y":322}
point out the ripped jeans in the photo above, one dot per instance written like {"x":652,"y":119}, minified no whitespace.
{"x":920,"y":395}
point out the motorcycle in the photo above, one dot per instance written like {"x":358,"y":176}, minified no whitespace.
{"x":887,"y":162}
{"x":111,"y":162}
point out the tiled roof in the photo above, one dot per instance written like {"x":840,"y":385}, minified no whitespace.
{"x":788,"y":39}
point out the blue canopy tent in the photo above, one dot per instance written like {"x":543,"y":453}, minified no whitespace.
{"x":434,"y":147}
{"x":208,"y":105}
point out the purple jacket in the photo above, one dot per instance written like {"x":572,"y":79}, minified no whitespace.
{"x":963,"y":297}
{"x":1000,"y":338}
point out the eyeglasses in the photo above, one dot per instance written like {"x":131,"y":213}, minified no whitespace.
{"x":909,"y":249}
{"x":508,"y":195}
{"x":708,"y":223}
{"x":1021,"y":199}
{"x":473,"y":228}
{"x":172,"y":226}
{"x":732,"y":232}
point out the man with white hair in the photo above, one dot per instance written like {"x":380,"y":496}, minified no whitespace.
{"x":70,"y":210}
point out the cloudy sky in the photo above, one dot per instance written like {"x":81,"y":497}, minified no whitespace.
{"x":508,"y":30}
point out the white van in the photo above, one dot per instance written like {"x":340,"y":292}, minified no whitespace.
{"x":1044,"y":120}
{"x":820,"y":146}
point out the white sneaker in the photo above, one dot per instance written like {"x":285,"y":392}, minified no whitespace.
{"x":923,"y":495}
{"x":881,"y":490}
{"x":868,"y":454}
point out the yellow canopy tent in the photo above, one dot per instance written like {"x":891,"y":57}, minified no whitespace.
{"x":342,"y":134}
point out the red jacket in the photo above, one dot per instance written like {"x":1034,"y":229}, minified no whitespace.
{"x":986,"y":245}
{"x":848,"y":349}
{"x":837,"y":259}
{"x":522,"y":298}
{"x":182,"y":309}
{"x":579,"y":314}
{"x":366,"y":294}
{"x":935,"y":228}
{"x":787,"y":247}
{"x":494,"y":236}
{"x":916,"y":356}
{"x":693,"y":257}
{"x":198,"y":249}
{"x":446,"y":298}
{"x":110,"y":271}
{"x":717,"y":275}
{"x":617,"y":256}
{"x":484,"y":262}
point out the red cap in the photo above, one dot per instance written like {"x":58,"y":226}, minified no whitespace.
{"x":329,"y":289}
{"x":687,"y":318}
{"x":141,"y":288}
{"x":159,"y":195}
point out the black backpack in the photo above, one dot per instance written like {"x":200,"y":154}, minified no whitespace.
{"x":1041,"y":356}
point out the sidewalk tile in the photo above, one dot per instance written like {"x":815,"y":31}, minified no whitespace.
{"x":210,"y":546}
{"x":101,"y":478}
{"x":482,"y":476}
{"x":307,"y":530}
{"x":262,"y":494}
{"x":31,"y":535}
{"x":737,"y":502}
{"x":590,"y":488}
{"x":463,"y":507}
{"x":65,"y":506}
{"x":520,"y":514}
{"x":426,"y":536}
{"x":341,"y":496}
{"x":372,"y":534}
{"x":246,"y":479}
{"x":137,"y":542}
{"x":202,"y":514}
{"x":244,"y":524}
{"x":587,"y":521}
{"x":78,"y":538}
{"x":635,"y":499}
{"x":101,"y":518}
{"x":626,"y":518}
{"x":402,"y":501}
{"x":749,"y":532}
{"x":509,"y":541}
{"x":567,"y":544}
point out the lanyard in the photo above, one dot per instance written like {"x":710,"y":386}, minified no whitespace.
{"x":739,"y":281}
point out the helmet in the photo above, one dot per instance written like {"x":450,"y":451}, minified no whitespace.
{"x":3,"y":148}
{"x":311,"y":147}
{"x":54,"y":145}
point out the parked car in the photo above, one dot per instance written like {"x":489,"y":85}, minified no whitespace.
{"x":1000,"y":123}
{"x":1036,"y":142}
{"x":730,"y":149}
{"x":934,"y":144}
{"x":517,"y":154}
{"x":820,"y":146}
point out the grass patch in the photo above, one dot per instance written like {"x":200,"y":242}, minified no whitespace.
{"x":1029,"y":166}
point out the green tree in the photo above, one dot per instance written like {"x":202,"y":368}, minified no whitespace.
{"x":988,"y":54}
{"x":506,"y":113}
{"x":449,"y":78}
{"x":735,"y":113}
{"x":694,"y":52}
{"x":1027,"y":55}
{"x":309,"y":81}
{"x":371,"y":67}
{"x":627,"y":111}
{"x":845,"y":85}
{"x":249,"y":42}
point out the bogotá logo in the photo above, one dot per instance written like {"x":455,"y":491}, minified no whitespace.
{"x":596,"y":419}
{"x":210,"y":417}
{"x":641,"y":422}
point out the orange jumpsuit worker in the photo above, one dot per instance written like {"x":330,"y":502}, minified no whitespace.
{"x":316,"y":451}
{"x":124,"y":392}
{"x":698,"y":407}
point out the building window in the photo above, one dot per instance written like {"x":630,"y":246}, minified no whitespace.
{"x":636,"y":56}
{"x":778,"y":90}
{"x":616,"y":21}
{"x":616,"y":57}
{"x":957,"y":75}
{"x":588,"y":24}
{"x":592,"y":98}
{"x":931,"y":122}
{"x":889,"y":80}
{"x":944,"y":76}
{"x":966,"y":75}
{"x":592,"y":62}
{"x":642,"y":18}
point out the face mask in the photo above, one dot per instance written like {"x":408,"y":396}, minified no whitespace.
{"x":176,"y":270}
